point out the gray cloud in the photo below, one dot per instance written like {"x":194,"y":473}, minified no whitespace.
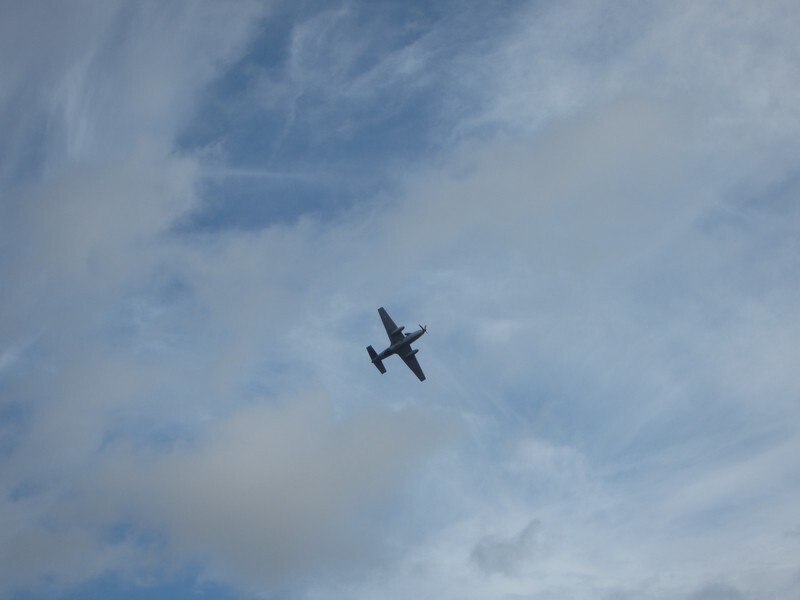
{"x":268,"y":493}
{"x":717,"y":591}
{"x":506,"y":555}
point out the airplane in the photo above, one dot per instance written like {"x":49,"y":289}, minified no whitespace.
{"x":400,"y":344}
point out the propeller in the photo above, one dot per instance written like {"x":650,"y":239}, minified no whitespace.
{"x":424,"y":328}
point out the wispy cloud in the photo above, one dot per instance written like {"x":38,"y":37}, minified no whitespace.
{"x":591,"y":205}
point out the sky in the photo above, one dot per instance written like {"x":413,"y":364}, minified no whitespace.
{"x":594,"y":206}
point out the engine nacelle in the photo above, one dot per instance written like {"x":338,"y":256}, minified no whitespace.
{"x":414,"y":351}
{"x":398,"y":330}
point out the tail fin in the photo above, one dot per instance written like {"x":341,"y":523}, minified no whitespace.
{"x":374,"y":357}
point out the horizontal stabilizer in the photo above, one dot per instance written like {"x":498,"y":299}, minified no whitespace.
{"x":375,"y":361}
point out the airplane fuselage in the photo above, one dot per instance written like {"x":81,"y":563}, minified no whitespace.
{"x":401,"y":347}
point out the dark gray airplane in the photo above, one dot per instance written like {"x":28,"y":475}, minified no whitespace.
{"x":400,"y":344}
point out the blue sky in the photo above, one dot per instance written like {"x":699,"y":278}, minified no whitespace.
{"x":592,"y":205}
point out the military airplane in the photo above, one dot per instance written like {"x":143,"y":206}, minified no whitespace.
{"x":400,"y":344}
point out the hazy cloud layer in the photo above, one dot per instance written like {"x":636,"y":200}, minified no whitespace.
{"x":593,"y":207}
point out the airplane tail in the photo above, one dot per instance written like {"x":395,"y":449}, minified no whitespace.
{"x":374,"y":357}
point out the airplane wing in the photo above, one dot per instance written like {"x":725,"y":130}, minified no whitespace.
{"x":389,"y":325}
{"x":412,"y":363}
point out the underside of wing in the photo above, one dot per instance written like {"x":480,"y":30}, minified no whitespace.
{"x":412,"y":363}
{"x":392,"y":330}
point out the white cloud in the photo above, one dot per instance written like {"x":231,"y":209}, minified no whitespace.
{"x":733,"y":62}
